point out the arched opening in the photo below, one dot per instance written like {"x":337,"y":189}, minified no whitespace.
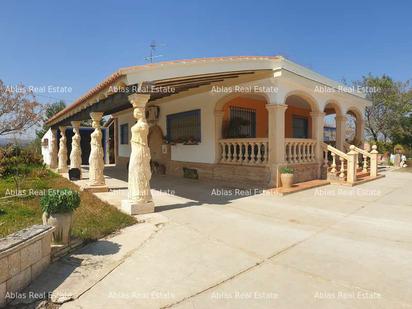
{"x":245,"y":116}
{"x":242,"y":129}
{"x":298,"y":122}
{"x":332,"y":114}
{"x":353,"y":133}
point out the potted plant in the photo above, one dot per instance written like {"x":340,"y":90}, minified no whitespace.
{"x":286,"y":176}
{"x":58,"y":207}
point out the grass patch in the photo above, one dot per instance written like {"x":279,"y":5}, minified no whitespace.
{"x":92,"y":220}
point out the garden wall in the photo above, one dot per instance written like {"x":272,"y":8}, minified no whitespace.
{"x":23,"y":256}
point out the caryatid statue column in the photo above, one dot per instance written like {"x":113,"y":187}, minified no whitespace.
{"x":76,"y":153}
{"x":139,"y":196}
{"x":62,"y":165}
{"x":53,"y":149}
{"x":96,"y":158}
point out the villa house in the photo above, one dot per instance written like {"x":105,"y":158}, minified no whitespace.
{"x":235,"y":119}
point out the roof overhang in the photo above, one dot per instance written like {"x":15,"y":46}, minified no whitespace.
{"x":165,"y":79}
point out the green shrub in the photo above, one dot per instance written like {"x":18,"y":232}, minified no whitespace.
{"x":18,"y":161}
{"x":60,"y":201}
{"x":286,"y":170}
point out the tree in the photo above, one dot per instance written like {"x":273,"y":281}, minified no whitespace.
{"x":19,"y":109}
{"x":391,"y":105}
{"x":50,"y":110}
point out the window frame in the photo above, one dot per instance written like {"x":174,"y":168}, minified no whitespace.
{"x":299,"y":117}
{"x":171,"y":117}
{"x":253,"y":124}
{"x":121,"y":127}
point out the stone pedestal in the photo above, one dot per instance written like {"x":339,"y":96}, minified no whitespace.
{"x":96,"y":161}
{"x":62,"y":165}
{"x":139,"y":196}
{"x":134,"y":208}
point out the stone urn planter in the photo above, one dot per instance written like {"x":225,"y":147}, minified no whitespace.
{"x":286,"y":177}
{"x":58,"y":207}
{"x":62,"y":224}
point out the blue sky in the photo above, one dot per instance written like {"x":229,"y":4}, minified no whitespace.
{"x":78,"y":43}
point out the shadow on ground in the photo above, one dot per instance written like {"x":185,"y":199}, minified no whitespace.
{"x":198,"y":191}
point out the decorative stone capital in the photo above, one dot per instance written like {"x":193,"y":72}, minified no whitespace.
{"x":341,"y":119}
{"x":317,"y":114}
{"x":139,"y":100}
{"x":276,"y":107}
{"x":62,"y":130}
{"x":75,"y":124}
{"x":96,"y":117}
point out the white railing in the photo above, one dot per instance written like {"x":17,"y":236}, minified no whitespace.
{"x":244,"y":151}
{"x":300,"y":150}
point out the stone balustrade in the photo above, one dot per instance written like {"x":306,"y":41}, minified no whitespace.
{"x":367,"y":161}
{"x":300,"y":150}
{"x":341,"y":164}
{"x":244,"y":151}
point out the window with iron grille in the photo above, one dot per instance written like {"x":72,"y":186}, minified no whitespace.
{"x":124,"y":134}
{"x":184,"y":127}
{"x":300,"y":127}
{"x":242,"y":122}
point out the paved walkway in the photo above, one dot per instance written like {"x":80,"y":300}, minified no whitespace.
{"x":213,"y":247}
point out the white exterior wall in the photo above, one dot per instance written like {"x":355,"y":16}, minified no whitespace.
{"x":45,"y":150}
{"x":204,"y":152}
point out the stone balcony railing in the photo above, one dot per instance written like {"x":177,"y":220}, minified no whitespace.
{"x":244,"y":151}
{"x":300,"y":150}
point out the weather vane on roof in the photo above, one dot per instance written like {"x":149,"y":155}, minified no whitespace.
{"x":152,"y":56}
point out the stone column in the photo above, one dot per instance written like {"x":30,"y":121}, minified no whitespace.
{"x":76,"y":153}
{"x":276,"y":139}
{"x":96,"y":158}
{"x":318,"y":119}
{"x":62,"y":165}
{"x":360,"y":133}
{"x":53,"y":149}
{"x":139,"y":196}
{"x":218,"y":133}
{"x":340,"y":132}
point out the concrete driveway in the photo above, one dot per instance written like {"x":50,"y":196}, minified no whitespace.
{"x":330,"y":247}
